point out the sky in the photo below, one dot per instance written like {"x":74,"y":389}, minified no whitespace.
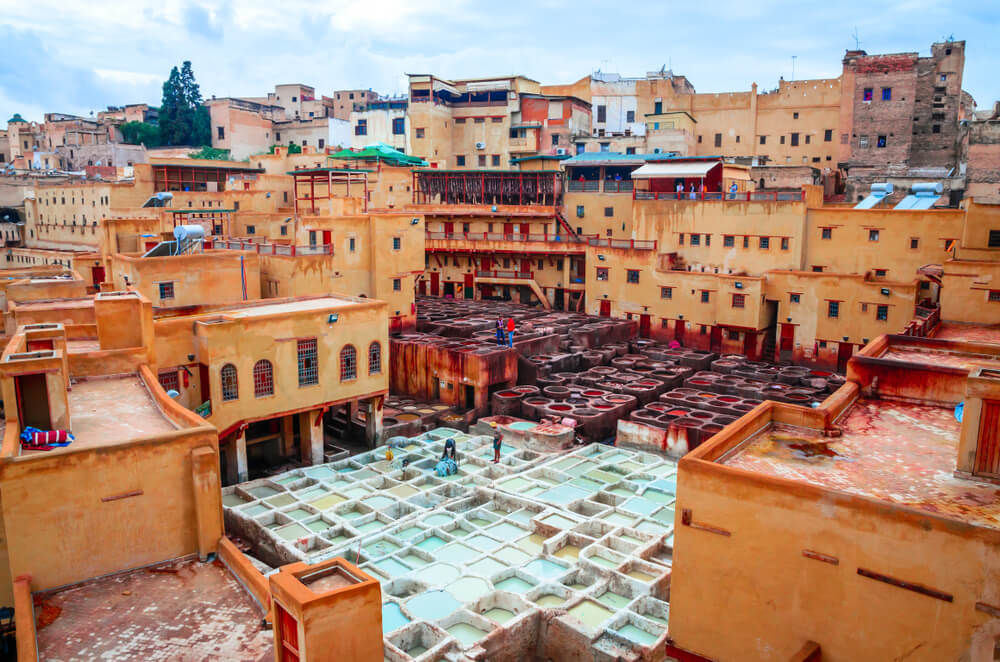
{"x":78,"y":57}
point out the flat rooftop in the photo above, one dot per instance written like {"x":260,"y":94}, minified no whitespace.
{"x":901,"y":453}
{"x":184,"y":610}
{"x":109,"y":411}
{"x":969,"y":332}
{"x":56,"y":304}
{"x":292,"y":306}
{"x":940,"y":357}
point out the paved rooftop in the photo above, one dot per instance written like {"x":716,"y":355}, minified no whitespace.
{"x":109,"y":411}
{"x":969,"y":332}
{"x":940,"y":357}
{"x":901,"y":453}
{"x":175,"y":611}
{"x":323,"y":303}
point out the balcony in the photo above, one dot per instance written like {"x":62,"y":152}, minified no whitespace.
{"x":261,"y":248}
{"x":499,"y":236}
{"x":741,"y":196}
{"x":597,"y":186}
{"x":631,"y":244}
{"x":506,"y":273}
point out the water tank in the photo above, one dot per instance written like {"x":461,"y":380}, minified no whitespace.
{"x":882,"y":188}
{"x":927,"y":187}
{"x":189,"y":232}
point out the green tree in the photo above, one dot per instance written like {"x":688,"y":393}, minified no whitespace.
{"x":294,"y":148}
{"x":210,"y":153}
{"x":140,"y":133}
{"x":183,"y":118}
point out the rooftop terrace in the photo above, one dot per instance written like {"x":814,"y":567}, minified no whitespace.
{"x":466,"y":560}
{"x":969,"y":332}
{"x":183,"y":610}
{"x":901,"y":453}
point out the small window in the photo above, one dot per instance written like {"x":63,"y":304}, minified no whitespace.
{"x":795,"y":140}
{"x":263,"y":379}
{"x":718,"y":140}
{"x":728,"y":241}
{"x":322,"y":142}
{"x":420,"y":133}
{"x":873,"y":235}
{"x":765,"y":242}
{"x":460,"y":160}
{"x":795,"y":116}
{"x":168,"y":380}
{"x":784,"y":243}
{"x":739,"y":300}
{"x":826,"y":233}
{"x":705,"y":296}
{"x":817,"y":269}
{"x":666,"y":293}
{"x":496,"y":120}
{"x":680,"y":239}
{"x":880,"y":273}
{"x":992,"y":242}
{"x":398,"y":126}
{"x":609,"y":211}
{"x":482,"y":160}
{"x":708,"y":240}
{"x":808,"y":140}
{"x":794,"y":298}
{"x":633,"y":276}
{"x":828,"y":135}
{"x":630,"y":150}
{"x":579,"y":211}
{"x":763,"y":140}
{"x":220,"y":132}
{"x":781,"y":140}
{"x":251,"y":229}
{"x":361,"y":128}
{"x":555,"y":139}
{"x":605,"y":147}
{"x":602,"y":273}
{"x":308,"y":368}
{"x":374,"y":358}
{"x":696,"y":240}
{"x":629,"y":115}
{"x":737,"y":139}
{"x":495,"y":160}
{"x":936,"y":128}
{"x":166,"y":290}
{"x":283,"y":231}
{"x":602,"y":114}
{"x":882,"y":313}
{"x":348,"y":363}
{"x":867,"y":95}
{"x":863,"y":141}
{"x":746,"y":241}
{"x":351,"y":244}
{"x":230,"y":387}
{"x":833,"y":309}
{"x":397,"y":243}
{"x":994,"y":295}
{"x":397,"y":285}
{"x":880,"y":142}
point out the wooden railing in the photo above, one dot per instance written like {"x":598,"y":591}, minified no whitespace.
{"x":500,"y":236}
{"x":506,"y":273}
{"x":739,"y":196}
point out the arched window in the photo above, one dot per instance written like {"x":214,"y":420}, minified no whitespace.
{"x":263,"y":378}
{"x":230,"y":388}
{"x":348,"y":363}
{"x":374,"y":358}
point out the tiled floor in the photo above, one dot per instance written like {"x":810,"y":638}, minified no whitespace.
{"x":969,"y":332}
{"x":184,"y":611}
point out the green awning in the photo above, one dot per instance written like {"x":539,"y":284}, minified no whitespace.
{"x":380,"y":152}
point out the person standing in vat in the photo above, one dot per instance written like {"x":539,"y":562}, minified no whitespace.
{"x":510,"y":332}
{"x":497,"y":443}
{"x":500,"y":326}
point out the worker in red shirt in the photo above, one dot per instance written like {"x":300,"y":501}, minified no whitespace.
{"x":510,"y":332}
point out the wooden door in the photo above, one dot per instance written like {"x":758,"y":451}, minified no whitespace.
{"x":470,"y":287}
{"x":435,"y":281}
{"x":422,"y":286}
{"x":206,"y":386}
{"x":844,"y":352}
{"x":750,"y":345}
{"x":98,"y":275}
{"x":327,"y":237}
{"x":605,"y":308}
{"x":679,"y":331}
{"x":449,"y":228}
{"x":288,"y":632}
{"x":787,"y":337}
{"x":32,"y":401}
{"x":715,"y":340}
{"x":988,"y":448}
{"x":508,"y":229}
{"x":644,"y":324}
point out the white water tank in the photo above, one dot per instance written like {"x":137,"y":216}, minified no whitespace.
{"x":189,"y":232}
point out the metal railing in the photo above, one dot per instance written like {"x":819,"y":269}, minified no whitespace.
{"x":584,"y":186}
{"x":273,"y":249}
{"x":739,"y":196}
{"x":634,"y":244}
{"x":506,"y":273}
{"x":500,"y":236}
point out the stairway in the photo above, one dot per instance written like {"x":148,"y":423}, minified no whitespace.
{"x":564,"y":224}
{"x":338,"y":423}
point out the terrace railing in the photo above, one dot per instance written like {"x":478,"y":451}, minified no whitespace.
{"x":740,"y":196}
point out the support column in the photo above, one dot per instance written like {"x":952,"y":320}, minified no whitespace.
{"x":240,"y":446}
{"x":566,"y":282}
{"x":373,"y":420}
{"x":207,"y":499}
{"x":311,"y":437}
{"x":287,"y":435}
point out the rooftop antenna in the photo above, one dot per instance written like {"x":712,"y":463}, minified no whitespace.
{"x":857,"y":39}
{"x":793,"y":66}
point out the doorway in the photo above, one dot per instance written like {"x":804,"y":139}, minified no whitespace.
{"x":605,"y":308}
{"x":679,"y":331}
{"x":449,"y":289}
{"x":715,"y":339}
{"x":470,"y":288}
{"x":470,"y":396}
{"x":844,"y":352}
{"x":32,"y":401}
{"x":98,"y":275}
{"x":435,"y":282}
{"x":644,"y":325}
{"x":988,"y":448}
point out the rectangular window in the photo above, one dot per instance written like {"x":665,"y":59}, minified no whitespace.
{"x":705,"y":296}
{"x":808,"y":140}
{"x":397,"y":284}
{"x":994,"y":295}
{"x":718,"y":140}
{"x":555,"y":139}
{"x":833,"y":309}
{"x":398,"y":126}
{"x":784,"y":243}
{"x":605,"y":147}
{"x":308,"y":368}
{"x":880,"y":142}
{"x":609,"y":211}
{"x":351,"y":244}
{"x":482,"y":160}
{"x":633,"y":276}
{"x":765,"y":242}
{"x":579,"y":211}
{"x":479,"y":120}
{"x":629,"y":115}
{"x":817,"y":269}
{"x":680,"y":239}
{"x":886,"y":94}
{"x":782,"y":140}
{"x":746,"y":241}
{"x":220,"y":132}
{"x":284,"y":230}
{"x":666,"y":293}
{"x":882,"y":313}
{"x":867,"y":94}
{"x":602,"y":114}
{"x":728,"y":241}
{"x":461,"y":120}
{"x":992,"y":242}
{"x":696,"y":240}
{"x":739,"y":300}
{"x":496,"y":120}
{"x":863,"y":141}
{"x":763,"y":140}
{"x":602,"y":273}
{"x":708,"y":240}
{"x":880,"y":273}
{"x":251,"y":229}
{"x":397,"y":243}
{"x":460,"y":160}
{"x":166,"y":290}
{"x":794,"y":298}
{"x":795,"y":140}
{"x":361,"y":128}
{"x":873,"y":235}
{"x":420,"y":133}
{"x":936,"y":128}
{"x":495,"y":160}
{"x":826,"y":233}
{"x":828,"y":136}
